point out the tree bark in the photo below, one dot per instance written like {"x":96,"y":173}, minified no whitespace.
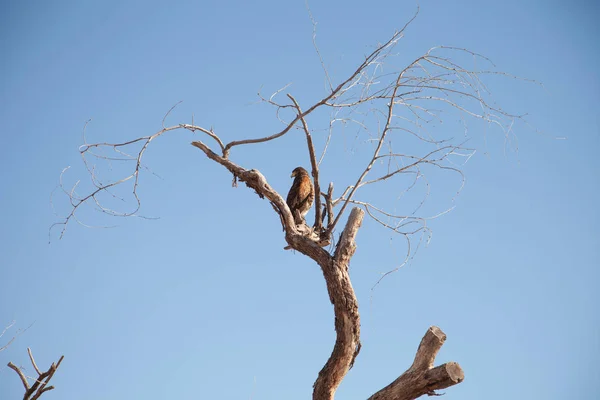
{"x":345,"y":306}
{"x":422,"y":378}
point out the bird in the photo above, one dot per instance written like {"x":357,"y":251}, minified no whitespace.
{"x":301,"y":195}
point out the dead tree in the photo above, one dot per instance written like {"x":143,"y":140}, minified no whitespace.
{"x":384,"y":103}
{"x":40,"y":383}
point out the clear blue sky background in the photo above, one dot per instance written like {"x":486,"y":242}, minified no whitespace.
{"x":204,"y":302}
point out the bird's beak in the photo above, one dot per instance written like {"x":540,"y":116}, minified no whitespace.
{"x":292,"y":175}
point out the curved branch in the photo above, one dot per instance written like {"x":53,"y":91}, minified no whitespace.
{"x":208,"y":132}
{"x":77,"y":202}
{"x":101,"y":188}
{"x":20,"y":373}
{"x":255,"y":180}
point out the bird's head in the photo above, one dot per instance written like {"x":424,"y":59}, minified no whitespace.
{"x":298,"y":171}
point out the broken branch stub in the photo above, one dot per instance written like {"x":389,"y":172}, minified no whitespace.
{"x":422,"y":378}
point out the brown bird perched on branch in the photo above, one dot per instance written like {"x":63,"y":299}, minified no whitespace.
{"x":301,"y":195}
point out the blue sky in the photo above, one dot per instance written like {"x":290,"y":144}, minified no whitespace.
{"x":204,"y":302}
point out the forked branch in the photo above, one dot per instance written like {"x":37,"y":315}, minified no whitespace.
{"x":40,"y":384}
{"x":422,"y":377}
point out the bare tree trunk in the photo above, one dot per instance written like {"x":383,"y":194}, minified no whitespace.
{"x":345,"y":306}
{"x":421,"y":378}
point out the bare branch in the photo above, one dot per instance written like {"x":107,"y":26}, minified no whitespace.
{"x":43,"y":380}
{"x":210,"y":133}
{"x":169,"y":112}
{"x":40,"y":383}
{"x":272,"y":102}
{"x":329,"y":203}
{"x":422,"y":378}
{"x":255,"y":180}
{"x":12,"y":339}
{"x":104,"y":188}
{"x":3,"y":332}
{"x":20,"y":373}
{"x":33,"y":361}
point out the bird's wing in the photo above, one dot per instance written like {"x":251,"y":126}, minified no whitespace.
{"x":292,"y":197}
{"x":305,"y":191}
